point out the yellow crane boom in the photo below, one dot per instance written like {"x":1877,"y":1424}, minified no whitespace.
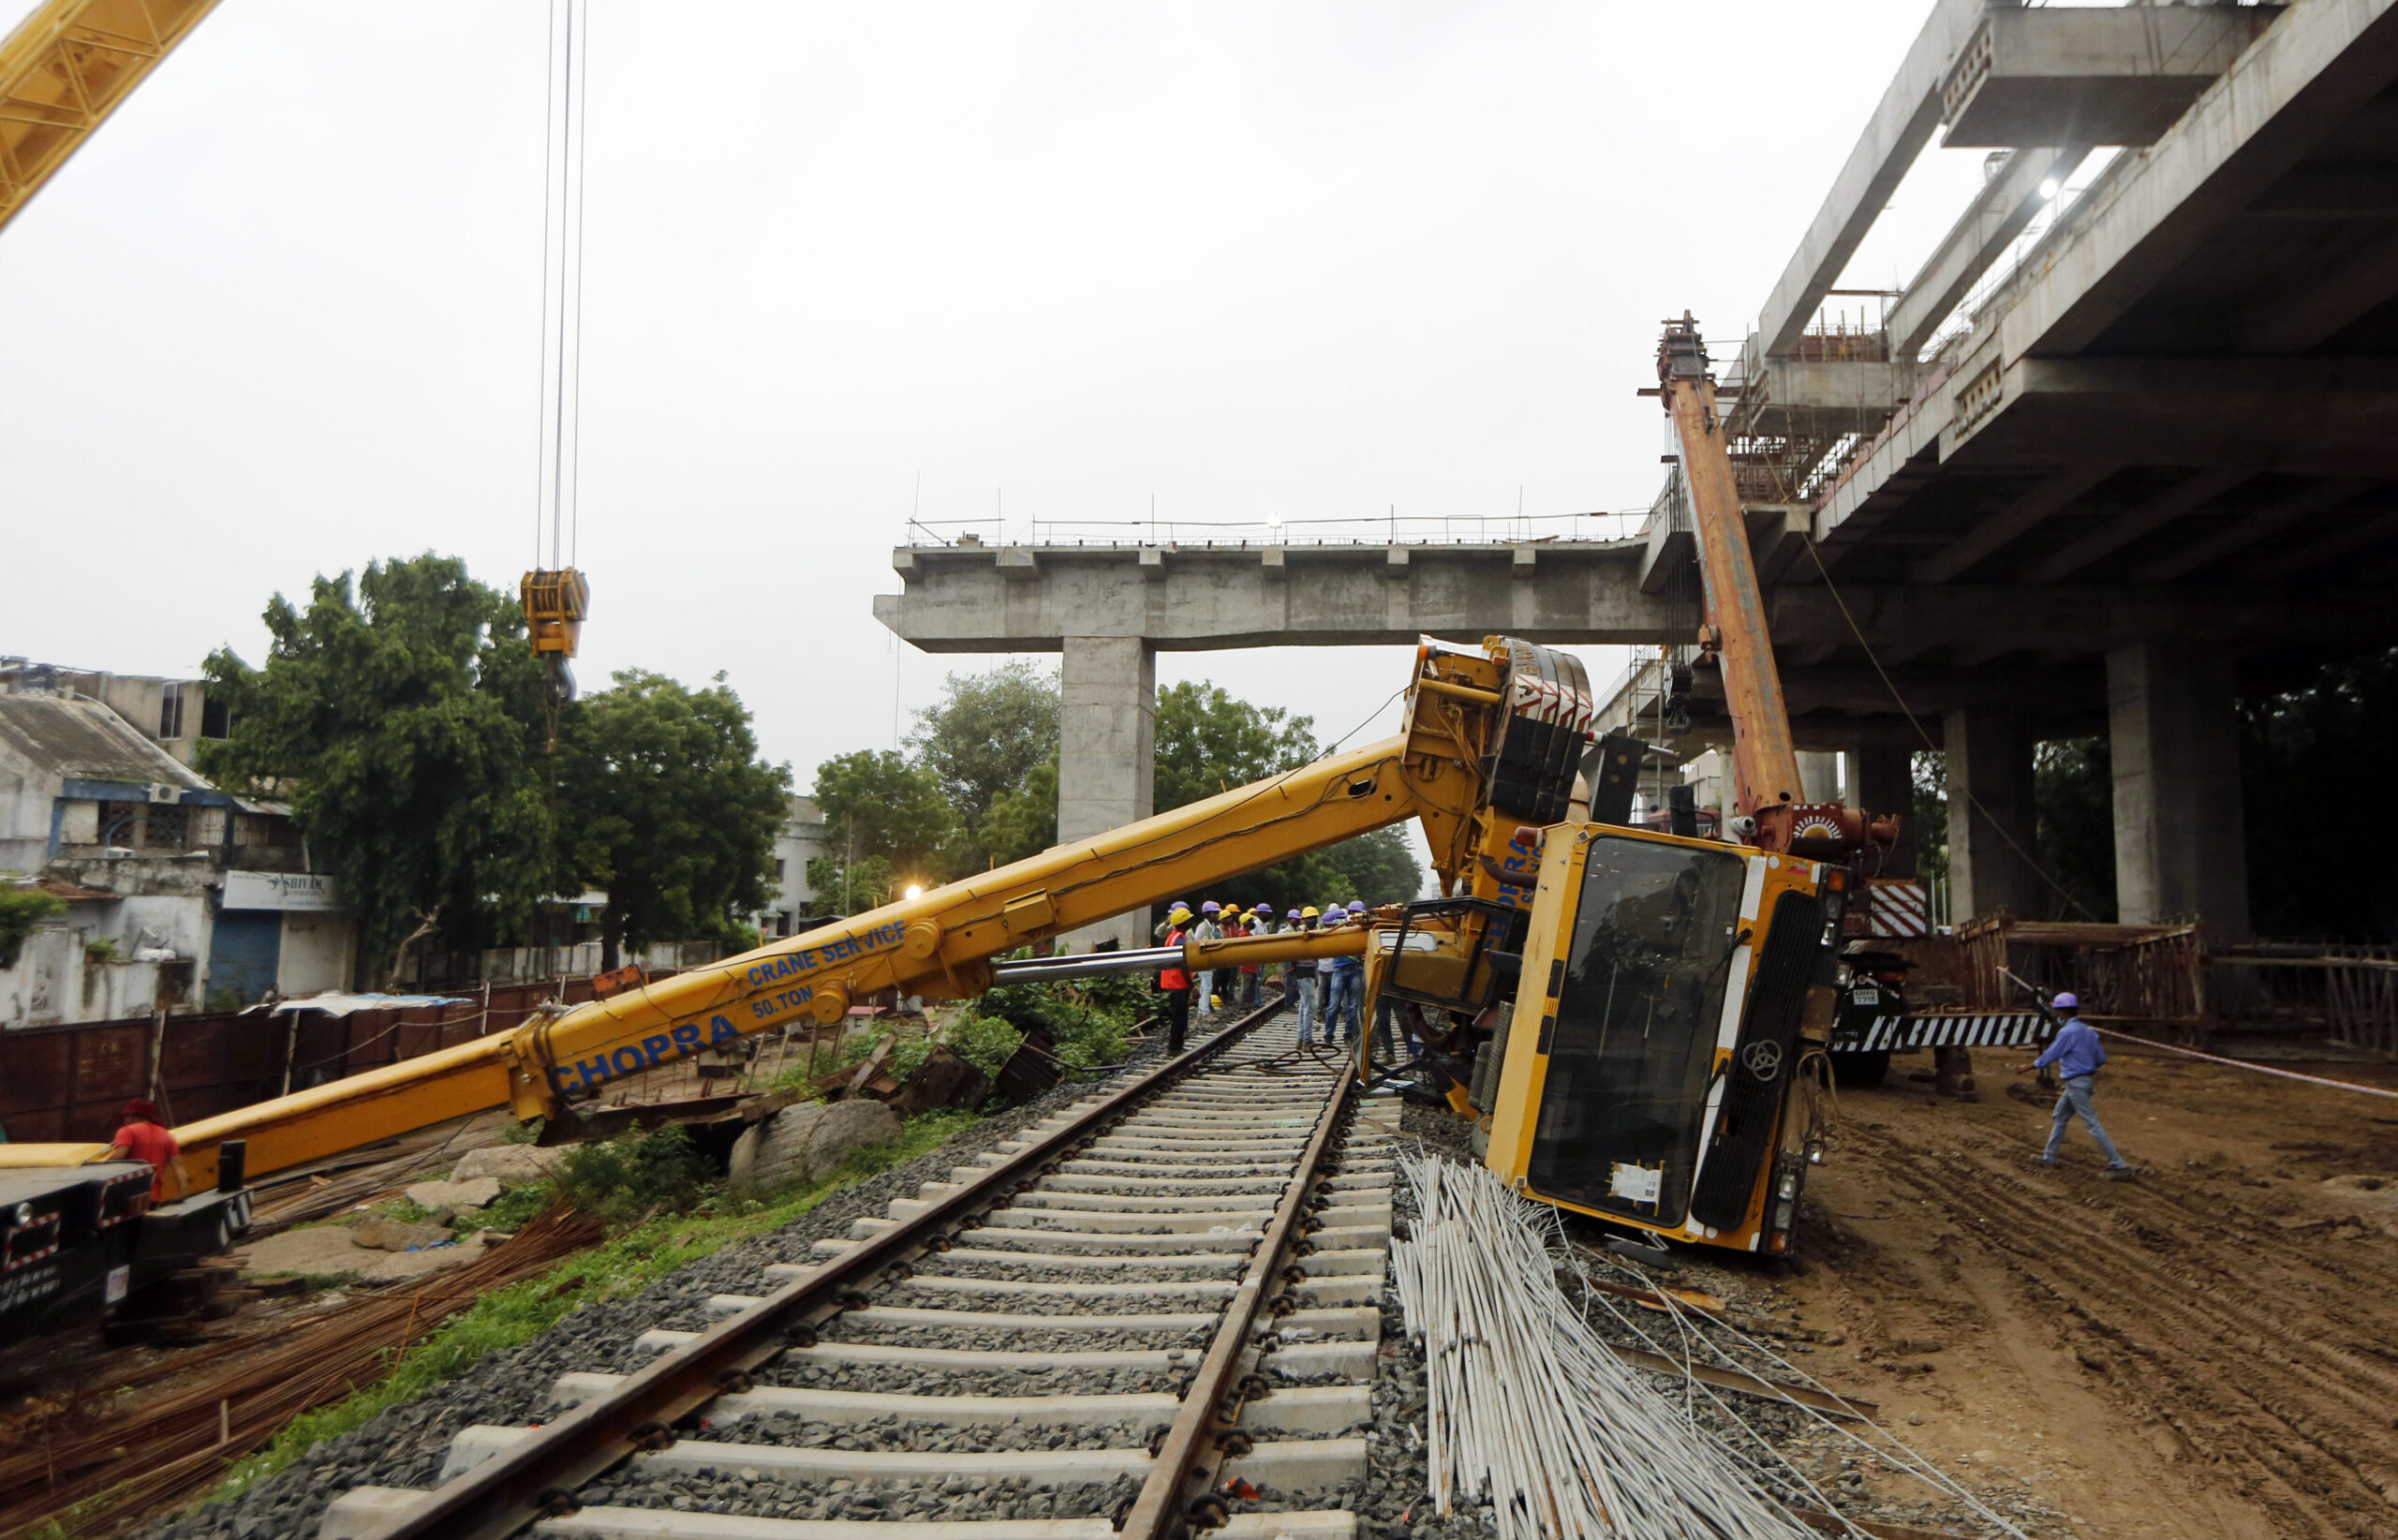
{"x":65,"y":69}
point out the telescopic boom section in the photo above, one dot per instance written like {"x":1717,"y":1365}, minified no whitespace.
{"x":1465,"y":716}
{"x":1765,"y":762}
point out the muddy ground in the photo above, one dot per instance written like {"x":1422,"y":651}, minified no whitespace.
{"x":2212,"y":1352}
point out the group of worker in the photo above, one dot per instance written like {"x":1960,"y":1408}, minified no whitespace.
{"x":1328,"y":992}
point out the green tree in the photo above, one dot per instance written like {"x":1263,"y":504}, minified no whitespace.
{"x":1023,"y":821}
{"x":878,"y":805}
{"x":1379,"y":867}
{"x":1209,"y":743}
{"x":666,"y":805}
{"x":2073,"y":800}
{"x":402,"y":717}
{"x":985,"y":740}
{"x":2308,"y":876}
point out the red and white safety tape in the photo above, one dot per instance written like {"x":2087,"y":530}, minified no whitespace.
{"x":2243,"y":1065}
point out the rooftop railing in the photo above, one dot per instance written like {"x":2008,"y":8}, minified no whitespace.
{"x":1393,"y":529}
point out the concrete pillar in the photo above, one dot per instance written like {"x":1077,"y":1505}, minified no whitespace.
{"x":1886,"y":785}
{"x":1107,"y":741}
{"x":1989,"y":804}
{"x":2180,"y":835}
{"x":1819,"y":774}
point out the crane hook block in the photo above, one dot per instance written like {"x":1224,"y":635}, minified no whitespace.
{"x":555,"y":606}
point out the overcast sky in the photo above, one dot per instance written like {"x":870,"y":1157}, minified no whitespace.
{"x":281,"y":316}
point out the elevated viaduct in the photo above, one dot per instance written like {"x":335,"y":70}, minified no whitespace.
{"x":2111,"y":452}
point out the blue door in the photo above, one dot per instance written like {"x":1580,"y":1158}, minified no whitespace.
{"x":242,"y":957}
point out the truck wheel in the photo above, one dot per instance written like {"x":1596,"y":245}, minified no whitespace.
{"x":1864,"y":1071}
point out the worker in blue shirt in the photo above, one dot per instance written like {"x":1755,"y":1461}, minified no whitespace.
{"x":2078,"y":1054}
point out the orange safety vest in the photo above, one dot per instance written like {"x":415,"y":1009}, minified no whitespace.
{"x":1175,"y":977}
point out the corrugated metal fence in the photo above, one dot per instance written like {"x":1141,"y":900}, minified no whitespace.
{"x":69,"y":1084}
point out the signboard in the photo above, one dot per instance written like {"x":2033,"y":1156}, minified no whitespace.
{"x":283,"y":890}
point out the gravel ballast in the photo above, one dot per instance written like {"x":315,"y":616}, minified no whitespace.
{"x":404,"y":1445}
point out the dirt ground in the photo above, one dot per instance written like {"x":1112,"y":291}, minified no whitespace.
{"x":2212,"y":1352}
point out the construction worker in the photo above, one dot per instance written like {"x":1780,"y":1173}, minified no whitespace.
{"x":145,"y":1137}
{"x":1207,"y":929}
{"x":1304,"y":979}
{"x":2078,"y":1054}
{"x":1327,"y":971}
{"x":1157,"y":932}
{"x":1348,"y":985}
{"x":1259,"y":920}
{"x":1175,"y":980}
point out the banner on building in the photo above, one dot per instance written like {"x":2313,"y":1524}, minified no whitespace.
{"x":282,"y":890}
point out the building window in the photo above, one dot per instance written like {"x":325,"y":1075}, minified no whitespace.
{"x":215,"y":721}
{"x":171,"y":712}
{"x":778,"y":874}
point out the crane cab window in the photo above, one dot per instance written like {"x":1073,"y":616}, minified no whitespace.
{"x":1634,"y":1043}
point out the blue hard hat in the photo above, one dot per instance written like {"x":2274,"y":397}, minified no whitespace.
{"x":1290,"y":914}
{"x":1357,"y":906}
{"x":1210,"y":907}
{"x":2067,"y":1001}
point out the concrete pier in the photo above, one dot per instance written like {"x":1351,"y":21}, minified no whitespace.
{"x":1106,"y":751}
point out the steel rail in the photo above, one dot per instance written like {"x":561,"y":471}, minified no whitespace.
{"x":538,"y":1478}
{"x":1194,"y":1446}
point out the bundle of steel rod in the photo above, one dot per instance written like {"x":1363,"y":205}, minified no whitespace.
{"x":1527,"y":1409}
{"x":120,"y":1472}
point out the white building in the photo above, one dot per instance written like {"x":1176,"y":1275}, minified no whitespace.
{"x":792,"y":901}
{"x":177,"y":894}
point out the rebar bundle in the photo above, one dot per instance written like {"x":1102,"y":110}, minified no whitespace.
{"x":1527,"y":1408}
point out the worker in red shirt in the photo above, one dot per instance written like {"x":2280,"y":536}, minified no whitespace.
{"x":145,"y":1137}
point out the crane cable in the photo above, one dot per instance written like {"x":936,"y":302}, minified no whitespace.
{"x":558,"y":428}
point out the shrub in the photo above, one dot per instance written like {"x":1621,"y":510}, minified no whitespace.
{"x":634,"y":1174}
{"x":21,"y":912}
{"x":986,"y":1041}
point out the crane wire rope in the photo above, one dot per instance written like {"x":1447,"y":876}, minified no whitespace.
{"x":582,"y":163}
{"x":541,"y":328}
{"x":558,"y":418}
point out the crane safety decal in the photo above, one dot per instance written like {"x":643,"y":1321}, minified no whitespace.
{"x":1556,"y":705}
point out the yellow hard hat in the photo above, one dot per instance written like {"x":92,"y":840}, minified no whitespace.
{"x":1310,"y":913}
{"x":1179,"y":914}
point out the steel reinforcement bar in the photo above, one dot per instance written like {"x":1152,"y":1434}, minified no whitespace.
{"x":539,"y":1477}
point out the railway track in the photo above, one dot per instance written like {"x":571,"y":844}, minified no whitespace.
{"x":1157,"y":1311}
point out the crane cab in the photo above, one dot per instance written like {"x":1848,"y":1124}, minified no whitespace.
{"x":1655,"y":1070}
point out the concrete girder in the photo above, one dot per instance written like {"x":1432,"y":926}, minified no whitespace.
{"x":2307,"y":416}
{"x":957,"y":600}
{"x":1927,"y":692}
{"x":1833,"y":731}
{"x":2092,"y":616}
{"x":2366,"y":530}
{"x":960,"y":600}
{"x":1823,"y":398}
{"x":2253,"y":527}
{"x":2281,"y":98}
{"x":2030,"y":509}
{"x":2006,"y":204}
{"x":2301,"y":319}
{"x":2188,"y":495}
{"x":1902,"y":125}
{"x":2089,"y":76}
